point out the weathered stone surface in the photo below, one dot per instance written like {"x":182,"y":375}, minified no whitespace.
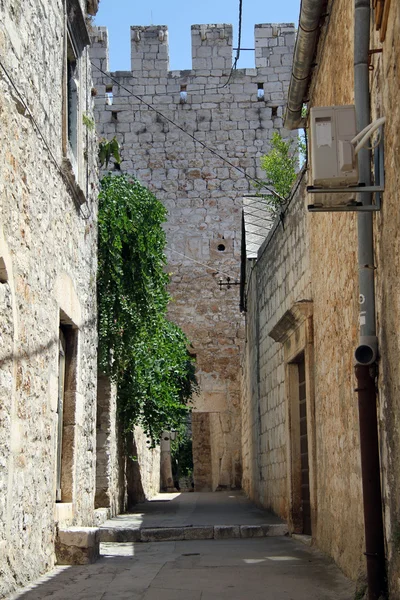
{"x":163,"y":534}
{"x":250,"y":531}
{"x":75,"y":555}
{"x":275,"y":530}
{"x":222,"y":532}
{"x":119,"y":534}
{"x":100,"y":516}
{"x":77,"y":546}
{"x":48,"y":244}
{"x":121,"y":480}
{"x":198,"y":533}
{"x":82,"y":537}
{"x":203,"y":194}
{"x":316,"y":258}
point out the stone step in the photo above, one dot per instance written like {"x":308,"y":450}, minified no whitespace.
{"x":169,"y":534}
{"x":81,"y":545}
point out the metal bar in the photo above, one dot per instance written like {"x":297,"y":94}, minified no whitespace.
{"x":362,"y":208}
{"x":367,"y":188}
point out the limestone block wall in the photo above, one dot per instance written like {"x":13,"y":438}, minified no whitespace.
{"x":143,"y":469}
{"x":334,"y":242}
{"x":274,"y":283}
{"x":110,"y":455}
{"x":203,"y":194}
{"x":333,"y":252}
{"x":47,"y":280}
{"x":332,"y":248}
{"x":127,"y":470}
{"x":385,"y":81}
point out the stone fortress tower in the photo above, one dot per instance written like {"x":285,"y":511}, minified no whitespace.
{"x":234,"y":113}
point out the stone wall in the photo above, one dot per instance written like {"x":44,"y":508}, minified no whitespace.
{"x":110,"y":455}
{"x":274,"y":283}
{"x":385,"y":83}
{"x":47,"y":282}
{"x":209,"y":105}
{"x":335,"y":473}
{"x":127,"y":469}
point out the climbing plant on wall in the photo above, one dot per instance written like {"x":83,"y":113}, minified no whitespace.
{"x":143,"y":352}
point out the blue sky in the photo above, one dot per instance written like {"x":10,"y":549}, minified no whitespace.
{"x":119,"y":15}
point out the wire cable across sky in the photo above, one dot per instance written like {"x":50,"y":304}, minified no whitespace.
{"x":259,"y":183}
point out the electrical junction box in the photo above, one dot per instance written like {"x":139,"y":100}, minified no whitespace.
{"x":333,"y":162}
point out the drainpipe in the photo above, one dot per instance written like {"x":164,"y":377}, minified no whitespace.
{"x":307,"y":35}
{"x":366,"y":352}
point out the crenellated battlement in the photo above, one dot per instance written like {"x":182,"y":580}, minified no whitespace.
{"x":212,"y":47}
{"x":149,"y":48}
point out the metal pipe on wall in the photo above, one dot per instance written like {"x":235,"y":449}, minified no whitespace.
{"x":307,"y":36}
{"x":366,"y":353}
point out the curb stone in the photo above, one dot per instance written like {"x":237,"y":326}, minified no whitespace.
{"x":208,"y":532}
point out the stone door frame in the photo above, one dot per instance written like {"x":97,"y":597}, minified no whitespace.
{"x":295,"y":332}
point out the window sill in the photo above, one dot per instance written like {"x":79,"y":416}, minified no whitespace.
{"x":69,"y":173}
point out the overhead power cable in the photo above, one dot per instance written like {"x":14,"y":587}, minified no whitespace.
{"x":200,"y":142}
{"x":235,"y":62}
{"x":239,"y":32}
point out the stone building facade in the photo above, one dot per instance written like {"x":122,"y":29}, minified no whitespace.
{"x":48,"y":241}
{"x":303,"y":309}
{"x":195,"y":138}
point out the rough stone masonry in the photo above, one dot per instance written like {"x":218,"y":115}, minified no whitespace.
{"x":157,"y":116}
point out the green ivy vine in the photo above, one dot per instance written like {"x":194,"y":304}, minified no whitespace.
{"x":139,"y":348}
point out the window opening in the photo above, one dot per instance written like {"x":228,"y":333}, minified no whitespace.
{"x":260,"y":91}
{"x":109,"y":95}
{"x":72,"y":100}
{"x":183,"y":94}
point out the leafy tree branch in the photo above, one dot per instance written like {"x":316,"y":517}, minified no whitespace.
{"x":139,"y":348}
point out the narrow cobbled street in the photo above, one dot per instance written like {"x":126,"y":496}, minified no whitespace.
{"x":273,"y":567}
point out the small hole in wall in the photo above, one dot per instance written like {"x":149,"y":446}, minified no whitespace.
{"x":274,"y":111}
{"x":260,"y":91}
{"x":114,"y":115}
{"x":221,"y":247}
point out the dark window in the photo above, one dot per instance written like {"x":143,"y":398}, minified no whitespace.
{"x":72,"y":100}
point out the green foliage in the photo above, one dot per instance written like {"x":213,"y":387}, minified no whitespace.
{"x":88,"y":122}
{"x":108,"y":149}
{"x":280,"y":166}
{"x":182,"y":457}
{"x":143,"y":352}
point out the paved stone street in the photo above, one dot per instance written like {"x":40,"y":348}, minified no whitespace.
{"x":276,"y":568}
{"x":195,"y":509}
{"x":239,"y":568}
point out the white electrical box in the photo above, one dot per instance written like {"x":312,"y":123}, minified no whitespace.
{"x":333,"y":162}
